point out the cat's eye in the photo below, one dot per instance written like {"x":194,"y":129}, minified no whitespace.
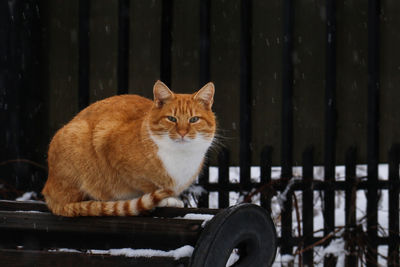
{"x":170,"y":118}
{"x":194,"y":119}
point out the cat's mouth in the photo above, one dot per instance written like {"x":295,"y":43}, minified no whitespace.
{"x":182,"y":140}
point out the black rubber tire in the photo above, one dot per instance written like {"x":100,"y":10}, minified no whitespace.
{"x":245,"y":226}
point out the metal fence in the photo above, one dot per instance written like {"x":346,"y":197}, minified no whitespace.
{"x":304,"y":239}
{"x":267,"y":187}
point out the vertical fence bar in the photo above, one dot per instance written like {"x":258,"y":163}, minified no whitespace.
{"x":394,"y":190}
{"x":308,"y":204}
{"x":204,"y":78}
{"x":166,"y":41}
{"x":287,"y":121}
{"x":123,"y":46}
{"x":350,"y":205}
{"x":203,"y":181}
{"x":373,"y":128}
{"x":84,"y":63}
{"x":223,"y":178}
{"x":330,"y":122}
{"x":265,"y":178}
{"x":245,"y":92}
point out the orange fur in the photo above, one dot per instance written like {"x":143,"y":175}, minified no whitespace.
{"x":106,"y":161}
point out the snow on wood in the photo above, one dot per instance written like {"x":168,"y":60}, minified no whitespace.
{"x":26,"y":196}
{"x":182,"y":252}
{"x":194,"y":216}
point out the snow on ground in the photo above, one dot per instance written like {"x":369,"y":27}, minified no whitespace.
{"x":336,"y":246}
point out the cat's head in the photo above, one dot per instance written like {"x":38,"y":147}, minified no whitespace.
{"x":182,"y":118}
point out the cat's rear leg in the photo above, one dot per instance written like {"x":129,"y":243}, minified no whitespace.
{"x":171,"y":202}
{"x":58,"y":194}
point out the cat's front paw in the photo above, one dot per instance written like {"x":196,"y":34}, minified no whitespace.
{"x":171,"y":202}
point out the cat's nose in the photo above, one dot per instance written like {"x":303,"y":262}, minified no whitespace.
{"x":182,"y":132}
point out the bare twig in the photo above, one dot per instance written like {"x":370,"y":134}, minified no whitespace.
{"x":319,"y":242}
{"x":264,"y":187}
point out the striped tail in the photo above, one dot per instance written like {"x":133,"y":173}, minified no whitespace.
{"x":114,"y":208}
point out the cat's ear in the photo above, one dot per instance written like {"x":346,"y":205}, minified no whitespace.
{"x":205,"y":95}
{"x":161,"y":94}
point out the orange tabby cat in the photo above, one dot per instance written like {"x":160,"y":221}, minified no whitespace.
{"x":127,"y":154}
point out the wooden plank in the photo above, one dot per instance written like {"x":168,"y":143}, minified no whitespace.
{"x":103,"y":49}
{"x":43,"y":221}
{"x":83,"y":53}
{"x":266,"y":74}
{"x":62,"y":69}
{"x":44,"y":230}
{"x":308,"y":79}
{"x":123,"y":46}
{"x":225,"y":70}
{"x":7,"y":205}
{"x":145,"y":39}
{"x":30,"y":224}
{"x":185,"y":61}
{"x":19,"y":258}
{"x":351,"y":78}
{"x":389,"y":77}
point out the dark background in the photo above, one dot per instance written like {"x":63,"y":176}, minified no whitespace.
{"x":305,"y":83}
{"x":39,"y":79}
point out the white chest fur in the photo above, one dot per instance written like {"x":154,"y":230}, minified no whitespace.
{"x":181,"y":160}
